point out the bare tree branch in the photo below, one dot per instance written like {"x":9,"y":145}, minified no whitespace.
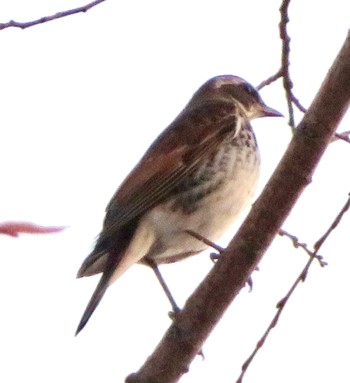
{"x":270,"y":80}
{"x":204,"y":308}
{"x":298,"y":244}
{"x":334,"y":224}
{"x":287,"y":82}
{"x":301,"y":278}
{"x":297,"y":103}
{"x":342,"y":136}
{"x":45,"y":19}
{"x":283,"y":72}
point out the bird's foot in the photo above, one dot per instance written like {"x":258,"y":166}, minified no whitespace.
{"x":173,"y":314}
{"x":214,"y":257}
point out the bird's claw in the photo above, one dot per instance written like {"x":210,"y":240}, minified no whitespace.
{"x":214,"y":257}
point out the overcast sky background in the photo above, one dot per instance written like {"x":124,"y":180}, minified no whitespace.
{"x":81,"y":99}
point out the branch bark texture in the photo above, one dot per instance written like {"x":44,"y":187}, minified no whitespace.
{"x":202,"y":311}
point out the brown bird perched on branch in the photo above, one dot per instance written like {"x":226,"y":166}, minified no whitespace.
{"x":198,"y":176}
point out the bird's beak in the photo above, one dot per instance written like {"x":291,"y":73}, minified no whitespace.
{"x":266,"y":111}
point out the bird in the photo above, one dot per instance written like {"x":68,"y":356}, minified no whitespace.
{"x":198,"y":176}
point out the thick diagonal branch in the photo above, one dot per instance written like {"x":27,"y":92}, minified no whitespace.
{"x":207,"y":304}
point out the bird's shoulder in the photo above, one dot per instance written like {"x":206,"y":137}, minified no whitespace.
{"x":195,"y":125}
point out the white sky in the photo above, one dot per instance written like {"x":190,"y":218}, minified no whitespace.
{"x":81,"y":99}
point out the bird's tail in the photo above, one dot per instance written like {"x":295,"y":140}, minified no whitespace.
{"x":99,"y":291}
{"x":114,"y":263}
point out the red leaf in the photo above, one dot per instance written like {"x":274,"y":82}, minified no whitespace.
{"x":13,"y":229}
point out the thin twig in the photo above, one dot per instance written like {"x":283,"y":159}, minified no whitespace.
{"x":270,"y":80}
{"x":302,"y":245}
{"x":287,"y":82}
{"x":335,"y":223}
{"x":285,"y":64}
{"x":342,"y":136}
{"x":297,"y":103}
{"x":301,"y":278}
{"x":45,"y":19}
{"x":283,"y":72}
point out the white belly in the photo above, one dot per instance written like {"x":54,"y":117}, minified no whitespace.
{"x":214,"y":215}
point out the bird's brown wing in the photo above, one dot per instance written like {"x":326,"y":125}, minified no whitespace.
{"x":175,"y":154}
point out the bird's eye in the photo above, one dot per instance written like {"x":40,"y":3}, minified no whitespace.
{"x":250,"y":89}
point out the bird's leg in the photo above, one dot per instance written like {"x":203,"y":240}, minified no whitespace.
{"x":213,"y":256}
{"x":165,"y":287}
{"x":175,"y":307}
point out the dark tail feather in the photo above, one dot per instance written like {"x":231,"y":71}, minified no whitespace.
{"x":93,"y":303}
{"x":105,"y":260}
{"x":96,"y":297}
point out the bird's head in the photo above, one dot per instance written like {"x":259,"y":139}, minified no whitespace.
{"x":235,"y":89}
